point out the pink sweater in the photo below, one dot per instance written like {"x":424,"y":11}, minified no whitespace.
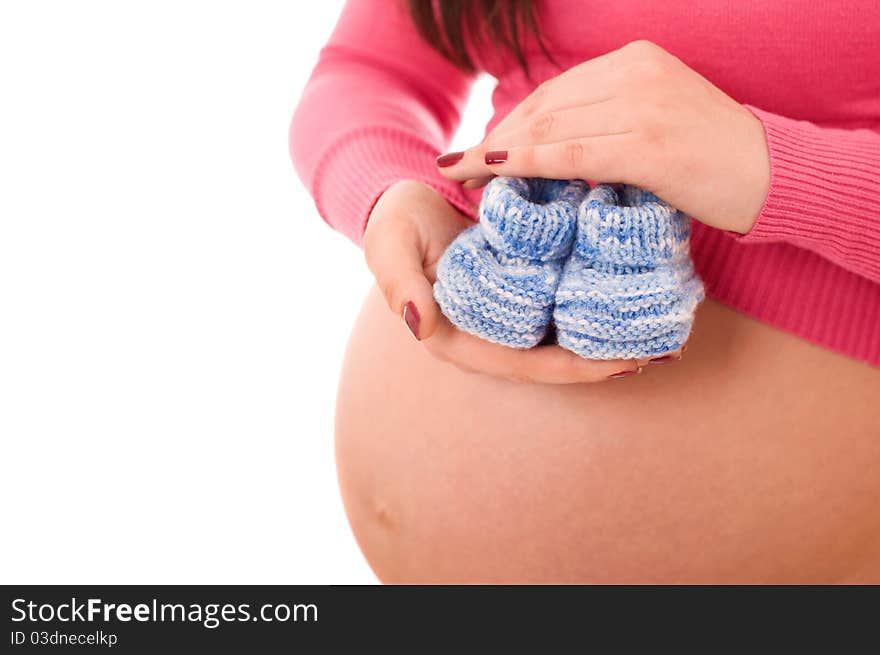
{"x":381,"y":104}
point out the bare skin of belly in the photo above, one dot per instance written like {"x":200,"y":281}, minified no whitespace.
{"x":755,"y":459}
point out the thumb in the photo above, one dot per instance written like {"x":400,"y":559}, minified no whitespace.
{"x":395,"y":256}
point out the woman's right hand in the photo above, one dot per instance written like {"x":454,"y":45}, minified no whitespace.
{"x":408,"y":231}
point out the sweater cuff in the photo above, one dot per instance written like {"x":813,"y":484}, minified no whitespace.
{"x":359,"y":167}
{"x":817,"y":196}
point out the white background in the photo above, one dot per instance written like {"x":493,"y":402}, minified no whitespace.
{"x":173,"y":311}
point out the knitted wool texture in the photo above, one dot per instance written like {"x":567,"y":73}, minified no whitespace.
{"x":498,"y":279}
{"x":628,"y":289}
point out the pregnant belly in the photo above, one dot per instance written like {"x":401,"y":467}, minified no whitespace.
{"x":754,"y":459}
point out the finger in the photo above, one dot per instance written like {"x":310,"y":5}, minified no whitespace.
{"x":470,"y":166}
{"x":543,"y":364}
{"x":477,"y":182}
{"x":395,"y":258}
{"x":593,"y":82}
{"x":597,"y":119}
{"x":569,"y":99}
{"x":590,"y":81}
{"x":666,"y":358}
{"x":604,"y":158}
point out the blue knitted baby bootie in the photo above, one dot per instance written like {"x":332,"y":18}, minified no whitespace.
{"x":498,"y":279}
{"x":629,"y":289}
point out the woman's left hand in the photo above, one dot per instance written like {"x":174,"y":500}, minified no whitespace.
{"x":640,"y":116}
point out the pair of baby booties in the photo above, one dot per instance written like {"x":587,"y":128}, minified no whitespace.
{"x":609,"y":266}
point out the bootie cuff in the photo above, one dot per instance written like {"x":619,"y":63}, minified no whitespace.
{"x":531,"y":218}
{"x":625,"y":226}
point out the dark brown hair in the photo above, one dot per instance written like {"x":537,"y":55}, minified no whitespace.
{"x":445,"y":24}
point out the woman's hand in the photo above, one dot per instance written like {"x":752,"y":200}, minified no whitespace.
{"x":640,"y":116}
{"x":408,"y":231}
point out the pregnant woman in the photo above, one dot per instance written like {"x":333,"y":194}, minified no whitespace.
{"x":752,"y":458}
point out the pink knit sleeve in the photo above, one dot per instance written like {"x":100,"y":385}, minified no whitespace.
{"x":380,"y":105}
{"x":824,"y":192}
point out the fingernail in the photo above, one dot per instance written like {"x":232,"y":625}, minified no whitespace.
{"x":412,"y":318}
{"x":664,"y":359}
{"x":684,"y":347}
{"x":449,"y":159}
{"x":625,"y":374}
{"x":496,"y":157}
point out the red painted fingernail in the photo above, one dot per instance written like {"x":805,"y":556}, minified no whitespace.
{"x":664,"y":359}
{"x":449,"y":159}
{"x":625,"y":374}
{"x":496,"y":157}
{"x":412,"y":318}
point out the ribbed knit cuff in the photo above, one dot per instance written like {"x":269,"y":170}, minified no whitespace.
{"x":358,"y":168}
{"x":824,"y":192}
